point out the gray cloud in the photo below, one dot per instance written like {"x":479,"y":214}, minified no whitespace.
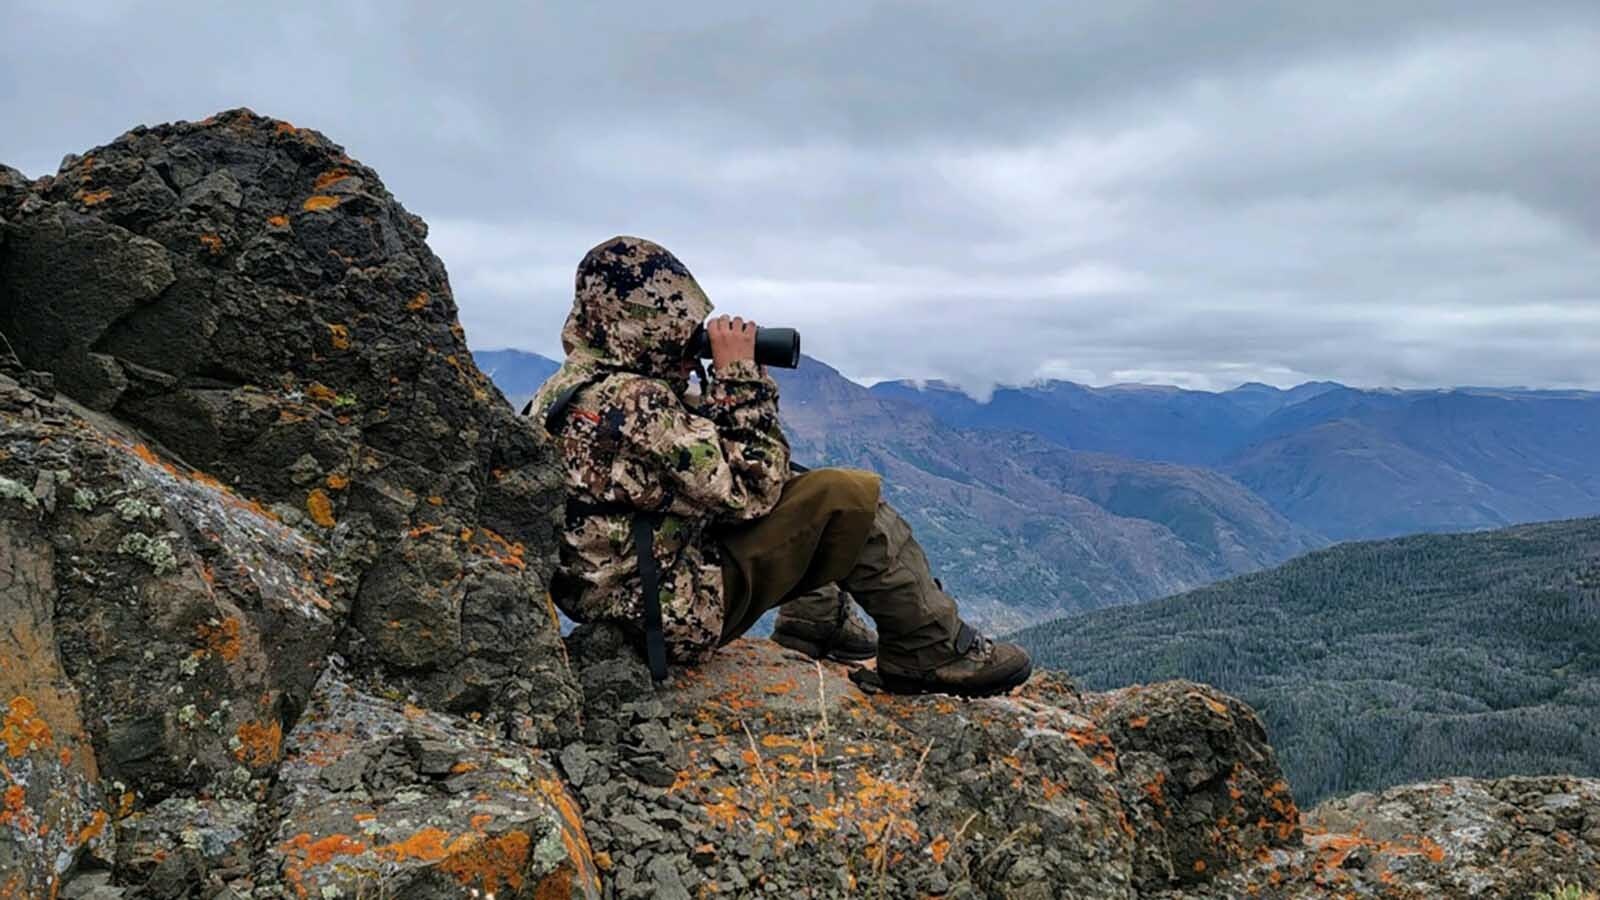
{"x":1383,"y":194}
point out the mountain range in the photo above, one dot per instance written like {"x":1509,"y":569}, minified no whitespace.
{"x":1383,"y":662}
{"x":1342,"y":462}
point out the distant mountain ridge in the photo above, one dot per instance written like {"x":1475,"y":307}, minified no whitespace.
{"x":517,"y":373}
{"x":1377,"y":663}
{"x":1342,"y":462}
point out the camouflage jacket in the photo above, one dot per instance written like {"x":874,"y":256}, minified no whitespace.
{"x":633,"y":438}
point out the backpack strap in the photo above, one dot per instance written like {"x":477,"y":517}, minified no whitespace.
{"x":655,"y":644}
{"x":554,"y":418}
{"x":645,"y":525}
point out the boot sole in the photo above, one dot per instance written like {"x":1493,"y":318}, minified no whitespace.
{"x":815,"y":651}
{"x":901,"y":684}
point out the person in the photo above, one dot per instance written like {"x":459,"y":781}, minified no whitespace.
{"x":684,"y":521}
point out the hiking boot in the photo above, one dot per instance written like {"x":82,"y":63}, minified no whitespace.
{"x":825,"y":624}
{"x":979,"y":667}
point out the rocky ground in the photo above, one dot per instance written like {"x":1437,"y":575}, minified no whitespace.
{"x":274,"y":624}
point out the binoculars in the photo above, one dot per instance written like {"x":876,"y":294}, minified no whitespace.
{"x":774,"y":346}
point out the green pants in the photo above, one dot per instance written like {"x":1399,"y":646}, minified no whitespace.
{"x":831,"y":526}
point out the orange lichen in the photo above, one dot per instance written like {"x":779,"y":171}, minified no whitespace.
{"x":320,"y":508}
{"x":488,"y":864}
{"x":93,"y":198}
{"x":555,"y":886}
{"x":279,"y":221}
{"x":339,"y":336}
{"x":23,"y":730}
{"x":212,"y":243}
{"x":320,"y":852}
{"x":321,"y":392}
{"x":1154,"y":789}
{"x":939,"y":849}
{"x":330,"y":177}
{"x":149,"y":456}
{"x":14,"y":811}
{"x":435,"y":500}
{"x":221,"y":639}
{"x":96,"y":825}
{"x":259,"y":744}
{"x":418,"y":302}
{"x":1199,"y":866}
{"x":337,"y":482}
{"x":573,"y":837}
{"x":1138,"y":721}
{"x":428,"y":845}
{"x":1432,"y":851}
{"x":785,"y":686}
{"x":319,"y":203}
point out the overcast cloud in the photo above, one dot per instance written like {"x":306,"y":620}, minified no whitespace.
{"x":1201,"y":194}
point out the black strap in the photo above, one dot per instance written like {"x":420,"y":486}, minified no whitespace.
{"x":655,"y":644}
{"x":965,"y":638}
{"x":553,"y":419}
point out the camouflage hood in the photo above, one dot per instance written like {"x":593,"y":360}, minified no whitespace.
{"x":634,"y":310}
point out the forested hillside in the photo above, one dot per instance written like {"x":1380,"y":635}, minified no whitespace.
{"x":1380,"y":663}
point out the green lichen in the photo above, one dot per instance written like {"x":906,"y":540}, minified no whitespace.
{"x":132,"y":509}
{"x":84,"y":499}
{"x":14,"y":490}
{"x":551,"y":851}
{"x":155,"y":552}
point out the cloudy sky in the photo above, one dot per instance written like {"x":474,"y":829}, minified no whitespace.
{"x":1191,"y":193}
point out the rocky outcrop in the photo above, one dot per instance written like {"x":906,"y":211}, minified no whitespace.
{"x":1460,"y":837}
{"x":254,"y":301}
{"x":273,"y":624}
{"x":242,"y":436}
{"x":765,"y":772}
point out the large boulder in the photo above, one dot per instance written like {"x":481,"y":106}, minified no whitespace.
{"x":163,"y":629}
{"x":1502,"y":839}
{"x":378,"y":797}
{"x":240,"y":437}
{"x":762,"y":771}
{"x":254,"y":300}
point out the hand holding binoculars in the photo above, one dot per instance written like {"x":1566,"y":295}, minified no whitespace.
{"x":774,"y":346}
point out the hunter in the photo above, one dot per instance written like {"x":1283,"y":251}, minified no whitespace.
{"x":684,"y":520}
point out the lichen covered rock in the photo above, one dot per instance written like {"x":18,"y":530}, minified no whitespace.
{"x":763,"y":771}
{"x":269,"y":446}
{"x":255,"y":302}
{"x":1516,"y":837}
{"x":384,"y":799}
